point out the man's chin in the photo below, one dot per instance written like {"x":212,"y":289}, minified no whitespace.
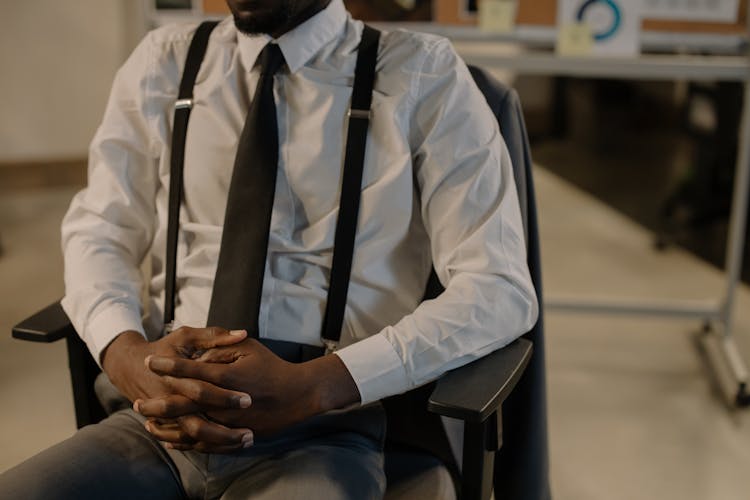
{"x":257,"y":24}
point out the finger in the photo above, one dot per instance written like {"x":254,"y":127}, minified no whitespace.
{"x":165,"y":407}
{"x":217,"y":374}
{"x":165,"y":421}
{"x":223,"y":440}
{"x":206,"y":338}
{"x":220,"y":355}
{"x":207,"y":394}
{"x":217,"y":337}
{"x":168,"y":433}
{"x":201,"y":430}
{"x":203,"y":393}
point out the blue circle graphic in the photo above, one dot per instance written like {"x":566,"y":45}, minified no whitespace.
{"x":616,"y":18}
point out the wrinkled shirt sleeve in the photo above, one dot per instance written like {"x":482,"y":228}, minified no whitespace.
{"x":470,"y":210}
{"x":110,"y":224}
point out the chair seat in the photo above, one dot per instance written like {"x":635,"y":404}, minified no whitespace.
{"x":413,"y":475}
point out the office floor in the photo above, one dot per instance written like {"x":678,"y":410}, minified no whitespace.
{"x":631,"y":411}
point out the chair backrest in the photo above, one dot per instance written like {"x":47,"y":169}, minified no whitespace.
{"x":522,"y":464}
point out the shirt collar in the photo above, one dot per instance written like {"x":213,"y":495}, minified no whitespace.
{"x":300,"y":44}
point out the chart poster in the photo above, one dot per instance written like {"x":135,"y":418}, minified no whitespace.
{"x":544,"y":13}
{"x":609,"y":27}
{"x":719,"y":11}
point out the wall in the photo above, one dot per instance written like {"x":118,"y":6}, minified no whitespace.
{"x":57,"y":62}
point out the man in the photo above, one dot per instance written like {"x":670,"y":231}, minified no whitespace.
{"x":227,"y":416}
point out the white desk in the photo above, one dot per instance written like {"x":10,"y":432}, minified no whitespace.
{"x":690,"y":57}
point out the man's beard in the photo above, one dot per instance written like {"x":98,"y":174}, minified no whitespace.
{"x":268,"y":22}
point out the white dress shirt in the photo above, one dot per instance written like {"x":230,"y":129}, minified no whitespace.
{"x":437,"y":188}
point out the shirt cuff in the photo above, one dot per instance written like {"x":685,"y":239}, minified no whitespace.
{"x":103,"y":328}
{"x":376,"y":368}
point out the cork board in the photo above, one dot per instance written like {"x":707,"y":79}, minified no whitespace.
{"x":544,"y":13}
{"x":455,"y":11}
{"x":369,"y":10}
{"x":215,"y":7}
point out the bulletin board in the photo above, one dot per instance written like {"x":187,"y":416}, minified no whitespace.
{"x":215,"y":7}
{"x":544,"y":13}
{"x":369,"y":10}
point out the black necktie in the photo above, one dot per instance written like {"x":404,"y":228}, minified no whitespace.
{"x":235,"y":302}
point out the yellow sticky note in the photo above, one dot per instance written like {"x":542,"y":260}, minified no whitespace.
{"x":497,"y":16}
{"x":575,"y":39}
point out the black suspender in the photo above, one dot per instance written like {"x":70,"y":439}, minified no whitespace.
{"x":179,"y":132}
{"x":351,"y":187}
{"x":346,"y":226}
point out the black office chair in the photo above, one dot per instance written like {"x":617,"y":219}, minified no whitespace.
{"x":500,"y":398}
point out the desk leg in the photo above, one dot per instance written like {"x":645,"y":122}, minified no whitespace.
{"x":724,"y":348}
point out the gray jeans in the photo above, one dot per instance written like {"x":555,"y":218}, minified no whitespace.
{"x":332,"y":456}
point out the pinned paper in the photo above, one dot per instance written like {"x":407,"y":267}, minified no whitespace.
{"x":718,"y":11}
{"x":614,"y":26}
{"x":575,"y":39}
{"x":497,"y":16}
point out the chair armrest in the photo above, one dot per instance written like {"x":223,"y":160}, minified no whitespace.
{"x":474,"y":391}
{"x":48,"y":325}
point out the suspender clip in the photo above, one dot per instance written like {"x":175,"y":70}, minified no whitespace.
{"x":359,"y":113}
{"x":331,"y":346}
{"x":183,"y":104}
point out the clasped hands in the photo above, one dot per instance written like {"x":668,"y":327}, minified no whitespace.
{"x":212,"y":390}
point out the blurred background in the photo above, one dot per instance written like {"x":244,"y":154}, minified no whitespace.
{"x":634,"y":185}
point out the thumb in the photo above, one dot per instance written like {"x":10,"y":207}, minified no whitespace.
{"x":206,"y":338}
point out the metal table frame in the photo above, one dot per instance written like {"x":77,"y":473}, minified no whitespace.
{"x":729,"y":61}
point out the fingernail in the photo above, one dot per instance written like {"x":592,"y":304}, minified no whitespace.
{"x":245,"y":401}
{"x":247,"y":440}
{"x":168,"y":445}
{"x":147,"y":425}
{"x":137,"y":406}
{"x":238,"y":333}
{"x":148,"y":360}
